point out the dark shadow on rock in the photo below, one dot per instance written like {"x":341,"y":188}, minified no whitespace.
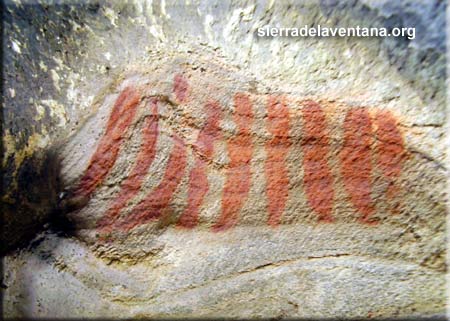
{"x":37,"y":202}
{"x":30,"y":184}
{"x":30,"y":198}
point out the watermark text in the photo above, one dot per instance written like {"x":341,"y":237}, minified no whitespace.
{"x":321,"y":31}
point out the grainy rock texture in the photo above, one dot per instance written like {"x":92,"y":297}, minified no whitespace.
{"x":173,"y":164}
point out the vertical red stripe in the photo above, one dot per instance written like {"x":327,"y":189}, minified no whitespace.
{"x":180,"y":88}
{"x":151,"y":207}
{"x":107,"y":151}
{"x":198,"y":180}
{"x":390,"y":149}
{"x":132,"y":184}
{"x":277,"y":150}
{"x":240,"y":151}
{"x":318,"y":179}
{"x":356,"y":161}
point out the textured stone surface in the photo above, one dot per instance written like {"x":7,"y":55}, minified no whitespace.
{"x":187,"y":168}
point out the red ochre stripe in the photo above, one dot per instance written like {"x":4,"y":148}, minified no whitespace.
{"x":107,"y":151}
{"x":240,"y":151}
{"x":277,"y":150}
{"x":318,"y":180}
{"x":390,"y":149}
{"x":180,"y":88}
{"x":356,"y":161}
{"x":152,"y":206}
{"x":132,"y":184}
{"x":198,"y":180}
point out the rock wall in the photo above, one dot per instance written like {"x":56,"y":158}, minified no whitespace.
{"x":175,"y":165}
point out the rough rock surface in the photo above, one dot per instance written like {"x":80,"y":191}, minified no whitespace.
{"x":186,"y":168}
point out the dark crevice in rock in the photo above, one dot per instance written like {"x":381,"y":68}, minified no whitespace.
{"x":31,"y":204}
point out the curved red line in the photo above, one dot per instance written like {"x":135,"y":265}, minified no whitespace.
{"x":132,"y":184}
{"x":107,"y":151}
{"x":151,"y":207}
{"x":198,"y":180}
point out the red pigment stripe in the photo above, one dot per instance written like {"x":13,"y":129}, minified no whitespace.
{"x":318,"y":180}
{"x":132,"y":184}
{"x":240,"y":150}
{"x":151,"y":207}
{"x":198,"y":181}
{"x":277,"y":150}
{"x":356,"y":161}
{"x":107,"y":151}
{"x":180,"y":88}
{"x":390,"y":149}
